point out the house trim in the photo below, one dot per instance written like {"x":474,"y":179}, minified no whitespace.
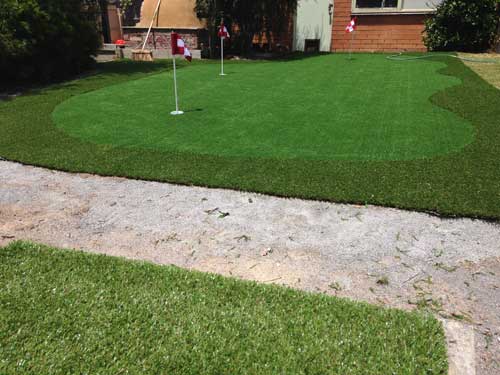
{"x":378,"y":12}
{"x":399,"y":10}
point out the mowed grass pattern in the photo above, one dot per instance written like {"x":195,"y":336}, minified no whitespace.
{"x":461,"y":183}
{"x":319,"y":108}
{"x":65,"y":312}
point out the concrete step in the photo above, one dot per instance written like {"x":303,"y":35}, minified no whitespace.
{"x":108,"y":47}
{"x":108,"y":54}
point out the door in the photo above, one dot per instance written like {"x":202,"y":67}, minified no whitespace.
{"x":313,"y":25}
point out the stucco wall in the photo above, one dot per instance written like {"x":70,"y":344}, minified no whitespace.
{"x":173,"y":14}
{"x":313,"y":21}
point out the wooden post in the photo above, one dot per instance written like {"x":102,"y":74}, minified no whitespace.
{"x":144,"y":54}
{"x":151,"y":25}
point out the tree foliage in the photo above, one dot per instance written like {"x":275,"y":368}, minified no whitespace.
{"x":462,"y":25}
{"x":131,"y":11}
{"x":251,"y":17}
{"x":42,"y":40}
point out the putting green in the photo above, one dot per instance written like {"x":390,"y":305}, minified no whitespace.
{"x":321,"y":108}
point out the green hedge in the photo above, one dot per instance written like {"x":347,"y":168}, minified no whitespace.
{"x":462,"y":25}
{"x":44,"y":40}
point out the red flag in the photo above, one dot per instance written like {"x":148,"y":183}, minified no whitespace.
{"x":352,"y":25}
{"x":223,"y":33}
{"x":179,"y":47}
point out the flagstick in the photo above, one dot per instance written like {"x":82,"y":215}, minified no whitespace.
{"x":151,"y":25}
{"x":176,"y":112}
{"x":222,"y":56}
{"x":350,"y":48}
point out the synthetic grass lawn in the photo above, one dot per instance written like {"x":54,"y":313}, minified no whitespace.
{"x":321,"y":108}
{"x":456,"y":174}
{"x":66,"y":312}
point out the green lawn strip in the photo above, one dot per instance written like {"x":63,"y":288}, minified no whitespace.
{"x":65,"y":312}
{"x":321,"y":108}
{"x":464,"y":183}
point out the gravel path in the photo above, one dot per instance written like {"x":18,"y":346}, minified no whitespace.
{"x":384,"y":256}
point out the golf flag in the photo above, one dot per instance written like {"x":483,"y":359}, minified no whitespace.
{"x":179,"y":47}
{"x":223,"y":33}
{"x":352,"y":25}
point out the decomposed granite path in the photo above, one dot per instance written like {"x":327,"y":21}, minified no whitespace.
{"x":380,"y":255}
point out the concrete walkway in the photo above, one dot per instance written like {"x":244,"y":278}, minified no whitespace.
{"x":384,"y":256}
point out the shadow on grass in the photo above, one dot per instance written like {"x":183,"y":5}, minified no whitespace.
{"x":112,"y":70}
{"x":194,"y":110}
{"x":277,"y":57}
{"x":8,"y":96}
{"x":295,"y":56}
{"x":127,"y":67}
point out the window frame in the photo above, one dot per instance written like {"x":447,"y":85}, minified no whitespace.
{"x":398,"y":10}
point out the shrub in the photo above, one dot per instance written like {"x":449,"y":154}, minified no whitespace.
{"x":269,"y":17}
{"x":44,"y":40}
{"x":462,"y":25}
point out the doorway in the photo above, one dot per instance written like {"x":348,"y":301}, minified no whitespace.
{"x":313,"y":22}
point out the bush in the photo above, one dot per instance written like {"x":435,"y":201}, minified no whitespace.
{"x":45,"y":40}
{"x":265,"y":17}
{"x":462,"y":25}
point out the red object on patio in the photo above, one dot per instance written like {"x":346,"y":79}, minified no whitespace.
{"x":120,"y":43}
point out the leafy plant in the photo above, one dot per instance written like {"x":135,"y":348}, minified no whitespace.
{"x":131,"y":10}
{"x":250,"y":17}
{"x":125,"y":4}
{"x":212,"y":11}
{"x":462,"y":25}
{"x":42,"y":40}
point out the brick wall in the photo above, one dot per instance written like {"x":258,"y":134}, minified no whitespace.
{"x":159,"y":38}
{"x":377,"y":33}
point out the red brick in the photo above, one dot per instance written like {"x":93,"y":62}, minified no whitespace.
{"x":377,"y":32}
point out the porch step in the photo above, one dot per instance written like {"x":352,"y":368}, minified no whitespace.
{"x":107,"y":53}
{"x":108,"y":47}
{"x":162,"y":53}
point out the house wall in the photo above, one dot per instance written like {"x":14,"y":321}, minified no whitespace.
{"x":179,"y":16}
{"x":313,"y":21}
{"x":172,"y":14}
{"x":115,"y":29}
{"x":377,"y":33}
{"x":159,"y":37}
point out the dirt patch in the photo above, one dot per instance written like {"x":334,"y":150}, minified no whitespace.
{"x":384,"y":256}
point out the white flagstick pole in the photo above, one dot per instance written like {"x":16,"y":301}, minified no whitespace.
{"x":151,"y":25}
{"x":222,"y":56}
{"x":350,"y":48}
{"x":175,"y":88}
{"x":353,"y":33}
{"x":176,"y":112}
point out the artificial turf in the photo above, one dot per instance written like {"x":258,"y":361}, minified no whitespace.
{"x":457,"y":174}
{"x":323,"y":108}
{"x":67,"y":312}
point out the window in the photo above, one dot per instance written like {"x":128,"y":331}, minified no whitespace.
{"x":399,"y":6}
{"x":376,"y":4}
